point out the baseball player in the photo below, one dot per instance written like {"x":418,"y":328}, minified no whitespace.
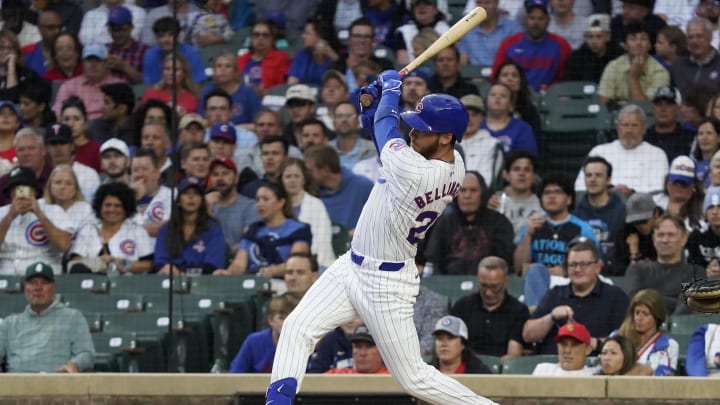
{"x":377,"y":279}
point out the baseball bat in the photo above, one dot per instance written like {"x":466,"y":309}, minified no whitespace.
{"x":457,"y":31}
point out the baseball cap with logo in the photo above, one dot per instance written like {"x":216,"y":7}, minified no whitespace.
{"x":39,"y":269}
{"x":223,"y":131}
{"x":227,"y":162}
{"x":574,"y":330}
{"x":712,"y":198}
{"x":452,"y":325}
{"x":361,"y":334}
{"x":115,"y":144}
{"x":95,"y":50}
{"x":668,"y":93}
{"x":22,"y":176}
{"x":191,"y":182}
{"x":639,"y":207}
{"x":541,"y":4}
{"x":119,"y":16}
{"x":191,"y":118}
{"x":598,"y":23}
{"x":299,"y":93}
{"x":58,"y":134}
{"x":473,"y":102}
{"x":682,"y":169}
{"x":419,"y":73}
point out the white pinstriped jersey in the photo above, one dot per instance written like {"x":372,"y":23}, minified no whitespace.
{"x":131,"y":242}
{"x":26,"y":240}
{"x":406,"y":200}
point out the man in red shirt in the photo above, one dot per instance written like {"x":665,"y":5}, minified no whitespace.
{"x":366,"y":356}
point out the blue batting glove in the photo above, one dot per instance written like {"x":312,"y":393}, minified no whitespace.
{"x":390,"y":81}
{"x":367,"y":114}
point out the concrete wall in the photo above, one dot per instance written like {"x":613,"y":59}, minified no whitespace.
{"x":116,"y":389}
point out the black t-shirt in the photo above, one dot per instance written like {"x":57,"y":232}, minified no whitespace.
{"x":674,"y":144}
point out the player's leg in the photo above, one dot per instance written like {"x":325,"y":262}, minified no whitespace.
{"x":388,"y":313}
{"x":324,"y":307}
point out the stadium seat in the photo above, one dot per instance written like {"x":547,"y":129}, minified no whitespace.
{"x":451,"y":286}
{"x":340,"y":239}
{"x":682,"y":327}
{"x":476,"y":73}
{"x":11,"y":284}
{"x":275,"y":97}
{"x":148,"y":284}
{"x":571,"y":128}
{"x":526,"y":364}
{"x":569,"y":91}
{"x":139,"y":90}
{"x":492,"y":362}
{"x":127,"y":352}
{"x":82,"y":283}
{"x":93,"y":303}
{"x":618,"y":281}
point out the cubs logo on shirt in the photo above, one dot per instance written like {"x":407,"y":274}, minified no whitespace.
{"x":127,"y":246}
{"x":35,"y":234}
{"x":155,"y":212}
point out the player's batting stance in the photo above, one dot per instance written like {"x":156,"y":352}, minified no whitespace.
{"x":377,"y":279}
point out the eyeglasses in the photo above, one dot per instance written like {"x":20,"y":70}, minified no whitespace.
{"x":581,"y":265}
{"x":341,"y":117}
{"x":494,"y":288}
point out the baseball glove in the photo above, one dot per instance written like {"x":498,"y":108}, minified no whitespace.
{"x":702,"y":295}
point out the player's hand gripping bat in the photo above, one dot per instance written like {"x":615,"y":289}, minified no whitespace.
{"x":457,"y":31}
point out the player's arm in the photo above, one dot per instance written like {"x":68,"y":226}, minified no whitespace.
{"x":387,"y":115}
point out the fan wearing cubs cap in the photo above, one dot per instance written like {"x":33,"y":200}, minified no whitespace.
{"x":31,"y":229}
{"x":417,"y":181}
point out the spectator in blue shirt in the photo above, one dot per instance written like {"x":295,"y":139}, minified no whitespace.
{"x":165,"y":30}
{"x":257,"y":352}
{"x":479,"y":46}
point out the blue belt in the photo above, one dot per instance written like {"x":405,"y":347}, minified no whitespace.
{"x":384,"y":266}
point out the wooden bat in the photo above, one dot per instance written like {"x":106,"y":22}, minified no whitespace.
{"x":457,"y":31}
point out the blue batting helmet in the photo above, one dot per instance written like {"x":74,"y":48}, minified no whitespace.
{"x":438,"y":113}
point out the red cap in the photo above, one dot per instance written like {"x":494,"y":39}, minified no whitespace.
{"x":574,"y":330}
{"x":227,"y":162}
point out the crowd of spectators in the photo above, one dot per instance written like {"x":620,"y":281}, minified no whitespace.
{"x":100,"y":172}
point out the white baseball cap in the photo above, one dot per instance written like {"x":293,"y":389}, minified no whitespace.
{"x":116,"y":144}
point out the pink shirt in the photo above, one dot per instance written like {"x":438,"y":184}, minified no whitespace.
{"x":89,"y":93}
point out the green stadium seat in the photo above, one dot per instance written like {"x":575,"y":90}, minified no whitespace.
{"x":451,"y":286}
{"x":82,"y":283}
{"x":240,"y":285}
{"x":526,"y":364}
{"x":93,"y":303}
{"x":127,"y":352}
{"x":476,"y":73}
{"x":275,"y":97}
{"x":11,"y":284}
{"x":147,"y":284}
{"x":514,"y":285}
{"x":618,"y":281}
{"x":492,"y":362}
{"x":139,"y":89}
{"x":569,"y":130}
{"x":568,"y":91}
{"x":340,"y":239}
{"x":687,"y":324}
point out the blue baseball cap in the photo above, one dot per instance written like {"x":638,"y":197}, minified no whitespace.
{"x":119,"y":16}
{"x":224,"y":131}
{"x":541,"y":4}
{"x":421,"y":73}
{"x":15,"y":109}
{"x":95,"y":50}
{"x":188,"y":182}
